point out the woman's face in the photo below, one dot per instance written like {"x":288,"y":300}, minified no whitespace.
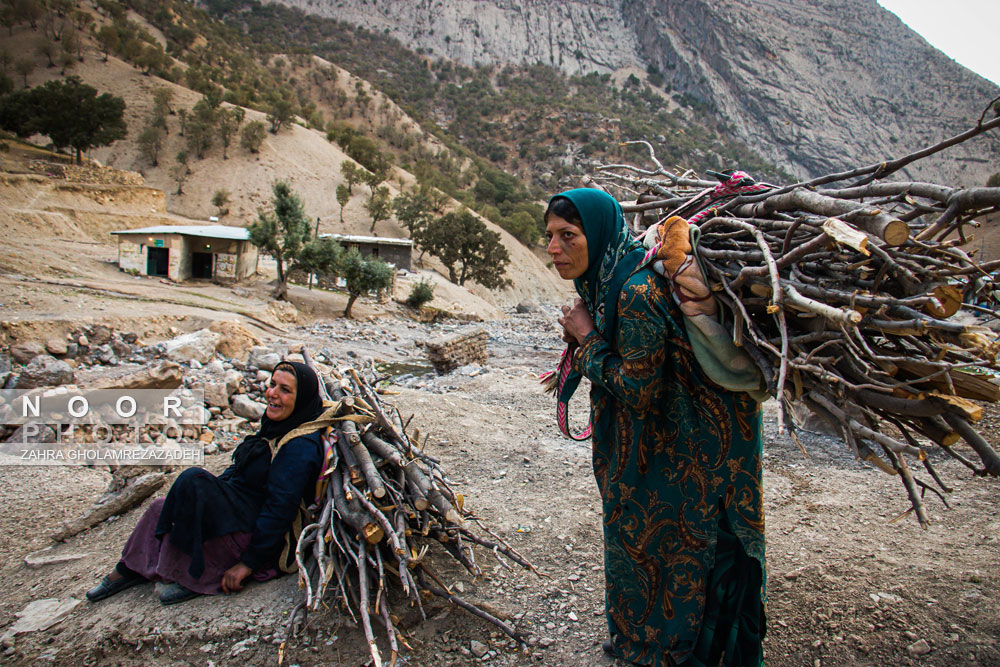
{"x":567,"y":247}
{"x":280,"y":395}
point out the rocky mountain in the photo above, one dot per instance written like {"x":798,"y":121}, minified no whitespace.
{"x":813,"y":85}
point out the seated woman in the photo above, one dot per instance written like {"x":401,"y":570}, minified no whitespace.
{"x":210,"y":533}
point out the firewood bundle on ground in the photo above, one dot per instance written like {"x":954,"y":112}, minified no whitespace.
{"x":847,"y":291}
{"x":386,"y":512}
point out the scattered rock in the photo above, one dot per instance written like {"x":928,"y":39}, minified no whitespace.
{"x":233,"y":379}
{"x":164,"y":375}
{"x":24,"y":352}
{"x":47,"y":557}
{"x":83,"y":341}
{"x":197,"y":345}
{"x":918,"y":648}
{"x":216,"y":394}
{"x":244,"y":406}
{"x":477,"y":648}
{"x":526,"y":307}
{"x":235,"y":340}
{"x":56,"y":346}
{"x":99,"y":334}
{"x":41,"y":615}
{"x":45,"y":371}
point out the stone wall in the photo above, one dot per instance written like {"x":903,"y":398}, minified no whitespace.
{"x":447,"y":354}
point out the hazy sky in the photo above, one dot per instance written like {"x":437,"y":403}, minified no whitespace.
{"x":966,"y":30}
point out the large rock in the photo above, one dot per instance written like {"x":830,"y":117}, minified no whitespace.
{"x":45,"y":371}
{"x":216,"y":394}
{"x":234,"y":380}
{"x":24,"y":352}
{"x":164,"y":375}
{"x":244,"y":407}
{"x":197,"y":345}
{"x":263,"y":358}
{"x":236,"y":341}
{"x":56,"y":346}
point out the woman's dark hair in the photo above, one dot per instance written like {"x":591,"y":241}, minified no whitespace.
{"x":564,"y":208}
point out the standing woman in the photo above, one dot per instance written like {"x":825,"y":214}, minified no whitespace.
{"x":209,"y":534}
{"x":677,"y":457}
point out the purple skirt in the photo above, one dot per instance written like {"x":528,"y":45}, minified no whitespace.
{"x":161,"y":561}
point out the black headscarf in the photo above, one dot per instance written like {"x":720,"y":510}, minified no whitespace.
{"x":308,"y":406}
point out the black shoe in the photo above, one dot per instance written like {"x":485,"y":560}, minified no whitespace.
{"x":609,"y":648}
{"x":107,"y":588}
{"x":174,"y":593}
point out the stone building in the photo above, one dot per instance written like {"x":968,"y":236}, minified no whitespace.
{"x":397,"y":252}
{"x":182,"y":252}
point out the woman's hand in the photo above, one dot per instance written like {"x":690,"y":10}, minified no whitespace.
{"x":576,"y":322}
{"x":232,"y":579}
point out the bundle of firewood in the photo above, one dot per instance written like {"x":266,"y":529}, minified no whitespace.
{"x":848,"y":297}
{"x":387,"y":510}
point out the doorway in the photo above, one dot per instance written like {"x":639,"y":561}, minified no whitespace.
{"x":201,"y":265}
{"x":157,"y":261}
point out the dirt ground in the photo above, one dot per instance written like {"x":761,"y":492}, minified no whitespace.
{"x":847,"y":583}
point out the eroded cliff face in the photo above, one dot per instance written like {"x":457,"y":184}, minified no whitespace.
{"x":818,"y":84}
{"x":575,"y":36}
{"x":813,"y":85}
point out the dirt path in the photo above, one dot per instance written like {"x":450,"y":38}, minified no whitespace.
{"x":847,"y":585}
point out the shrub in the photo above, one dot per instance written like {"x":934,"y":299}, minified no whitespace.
{"x":422,"y":292}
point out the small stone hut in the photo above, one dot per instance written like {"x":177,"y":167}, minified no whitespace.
{"x":393,"y":251}
{"x":182,"y":252}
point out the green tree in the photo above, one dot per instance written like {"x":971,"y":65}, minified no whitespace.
{"x":422,"y":293}
{"x":523,"y":227}
{"x":227,"y":124}
{"x":73,"y":115}
{"x":151,"y":58}
{"x":150,"y":142}
{"x":413,"y":210}
{"x":281,"y":231}
{"x":321,"y":256}
{"x":24,"y":67}
{"x":109,"y":40}
{"x":201,"y":126}
{"x":180,"y":171}
{"x":47,"y":48}
{"x":253,"y":135}
{"x":379,"y":206}
{"x":280,"y":111}
{"x":220,"y":200}
{"x":363,"y":276}
{"x":468,"y":249}
{"x":372,"y":179}
{"x":351,"y":174}
{"x":993,"y":181}
{"x":343,"y":196}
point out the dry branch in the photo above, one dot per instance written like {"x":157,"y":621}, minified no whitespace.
{"x":384,"y":503}
{"x":844,"y":296}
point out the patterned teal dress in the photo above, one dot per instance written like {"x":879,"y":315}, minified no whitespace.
{"x":678,"y":463}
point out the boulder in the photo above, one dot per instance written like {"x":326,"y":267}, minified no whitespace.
{"x":164,"y":375}
{"x":56,"y":346}
{"x":45,"y":371}
{"x":24,"y":352}
{"x":263,"y":358}
{"x":197,"y":345}
{"x":233,"y":380}
{"x":244,"y":407}
{"x":99,"y":334}
{"x":216,"y":394}
{"x":235,"y":341}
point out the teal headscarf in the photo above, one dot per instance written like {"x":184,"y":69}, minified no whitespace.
{"x":612,"y":255}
